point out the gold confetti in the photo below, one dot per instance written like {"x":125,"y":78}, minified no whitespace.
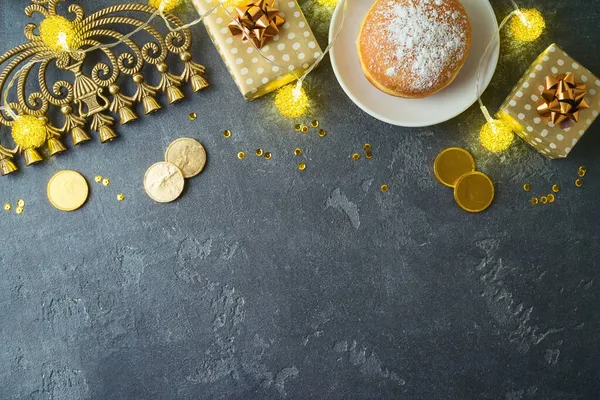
{"x":314,"y":123}
{"x":543,"y":199}
{"x":579,"y":182}
{"x":527,"y":187}
{"x":367,"y":146}
{"x":268,"y":155}
{"x":581,"y":171}
{"x":301,"y":166}
{"x":121,"y":197}
{"x":555,"y":188}
{"x":385,"y":188}
{"x":534,"y":200}
{"x":98,"y":178}
{"x":20,"y":203}
{"x":551,"y":198}
{"x":7,"y":207}
{"x":259,"y":152}
{"x":298,"y":127}
{"x":241,"y":155}
{"x":368,"y":154}
{"x":322,"y":132}
{"x":298,"y":152}
{"x":304,"y":129}
{"x":106,"y":182}
{"x":356,"y":156}
{"x":192,"y":116}
{"x":227,"y":133}
{"x":19,"y":210}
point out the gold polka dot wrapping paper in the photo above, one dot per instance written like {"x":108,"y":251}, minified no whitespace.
{"x":520,"y":108}
{"x":294,"y":47}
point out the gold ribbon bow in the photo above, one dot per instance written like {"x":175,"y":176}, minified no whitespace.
{"x":563,"y":98}
{"x":257,"y":21}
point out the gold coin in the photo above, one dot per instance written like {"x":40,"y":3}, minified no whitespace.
{"x":451,"y":164}
{"x":67,"y":190}
{"x":188,"y":155}
{"x":474,"y":192}
{"x":164,"y":182}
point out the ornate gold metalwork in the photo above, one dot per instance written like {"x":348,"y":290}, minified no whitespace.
{"x":86,"y":98}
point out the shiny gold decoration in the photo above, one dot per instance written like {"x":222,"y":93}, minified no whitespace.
{"x":298,"y":127}
{"x":474,"y":192}
{"x":268,"y":155}
{"x":164,"y":182}
{"x":256,"y":21}
{"x":555,"y":188}
{"x":304,"y":129}
{"x":527,"y":25}
{"x":579,"y":182}
{"x":534,"y":201}
{"x":98,"y":178}
{"x":63,"y":43}
{"x":302,"y":166}
{"x":67,"y":190}
{"x":19,"y":210}
{"x":451,"y":164}
{"x":551,"y":198}
{"x":543,"y":199}
{"x":7,"y":207}
{"x":322,"y":132}
{"x":227,"y":134}
{"x":356,"y":156}
{"x":193,"y":116}
{"x":563,"y":98}
{"x":241,"y":155}
{"x":527,"y":187}
{"x":106,"y":182}
{"x":298,"y":152}
{"x":367,"y":146}
{"x":121,"y":197}
{"x":314,"y":123}
{"x":20,"y":203}
{"x":368,"y":154}
{"x":384,"y":188}
{"x":188,"y":155}
{"x":259,"y":152}
{"x":581,"y":171}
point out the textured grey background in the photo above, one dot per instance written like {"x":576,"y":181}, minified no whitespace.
{"x":264,"y":282}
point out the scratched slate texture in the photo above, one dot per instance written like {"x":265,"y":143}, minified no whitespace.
{"x":266,"y":282}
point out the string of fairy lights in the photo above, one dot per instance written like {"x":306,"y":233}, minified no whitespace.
{"x":292,"y":100}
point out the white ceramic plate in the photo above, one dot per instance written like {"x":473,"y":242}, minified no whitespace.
{"x":442,"y":106}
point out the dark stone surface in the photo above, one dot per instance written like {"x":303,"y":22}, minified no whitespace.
{"x":264,"y":282}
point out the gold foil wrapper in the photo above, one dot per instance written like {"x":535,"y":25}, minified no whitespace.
{"x":520,"y":108}
{"x":294,"y":48}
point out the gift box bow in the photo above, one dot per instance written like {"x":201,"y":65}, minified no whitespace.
{"x":257,"y":21}
{"x":563,"y":98}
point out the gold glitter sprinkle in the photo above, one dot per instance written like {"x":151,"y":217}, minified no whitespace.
{"x":259,"y":152}
{"x":106,"y":182}
{"x":227,"y":133}
{"x":192,"y":116}
{"x":581,"y":172}
{"x":120,"y":197}
{"x":551,"y":198}
{"x":368,"y":154}
{"x":19,"y":210}
{"x":367,"y":146}
{"x":7,"y":207}
{"x":555,"y":188}
{"x":301,"y":166}
{"x":543,"y":199}
{"x":385,"y":188}
{"x":314,"y":123}
{"x":356,"y":156}
{"x":527,"y":187}
{"x":20,"y":203}
{"x":298,"y":152}
{"x":304,"y":129}
{"x":579,"y":182}
{"x":241,"y":155}
{"x":298,"y":127}
{"x":268,"y":155}
{"x":98,"y":178}
{"x":322,"y":132}
{"x":534,"y":200}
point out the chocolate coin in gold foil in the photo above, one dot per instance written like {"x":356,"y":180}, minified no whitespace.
{"x":67,"y":190}
{"x":164,"y":182}
{"x":474,"y":191}
{"x":188,"y":155}
{"x":451,"y":164}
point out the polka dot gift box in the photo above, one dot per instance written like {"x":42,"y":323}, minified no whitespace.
{"x":553,"y":104}
{"x":294,"y":47}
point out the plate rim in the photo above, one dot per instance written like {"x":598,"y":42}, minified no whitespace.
{"x":373,"y":113}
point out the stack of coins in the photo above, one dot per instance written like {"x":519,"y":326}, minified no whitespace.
{"x":164,"y":181}
{"x":473,"y":191}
